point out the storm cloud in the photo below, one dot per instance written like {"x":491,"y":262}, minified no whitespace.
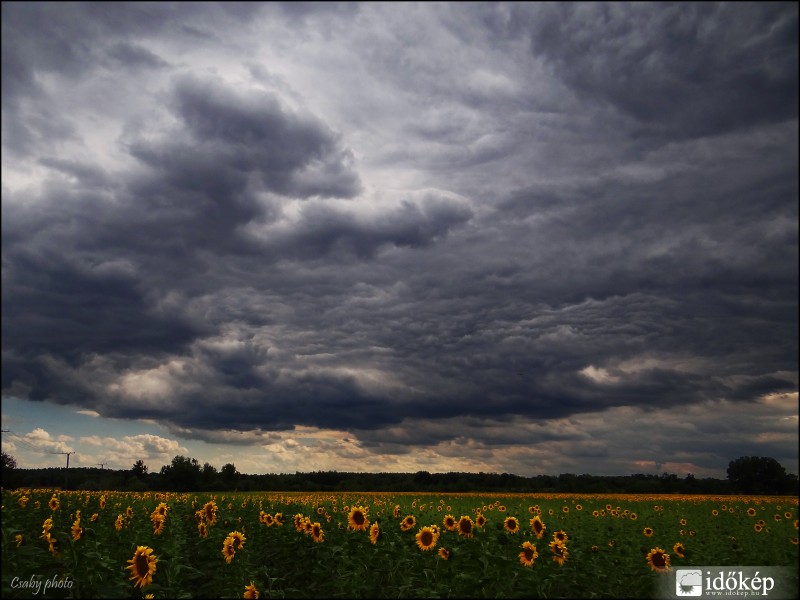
{"x":476,"y":230}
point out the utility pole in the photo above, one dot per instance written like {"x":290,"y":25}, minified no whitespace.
{"x":101,"y":465}
{"x":66,"y":472}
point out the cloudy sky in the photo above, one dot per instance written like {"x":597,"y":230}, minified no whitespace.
{"x":525,"y":238}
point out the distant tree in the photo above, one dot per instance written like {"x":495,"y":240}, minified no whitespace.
{"x":9,"y":462}
{"x":182,"y":474}
{"x":758,"y":475}
{"x":229,"y":473}
{"x":139,"y":469}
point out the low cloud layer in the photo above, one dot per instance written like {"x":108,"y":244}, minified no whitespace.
{"x":493,"y":231}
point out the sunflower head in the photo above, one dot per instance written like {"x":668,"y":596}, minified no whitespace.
{"x":679,"y":550}
{"x":511,"y":524}
{"x":465,"y":526}
{"x":357,"y":519}
{"x":374,"y":533}
{"x":142,"y":566}
{"x":528,"y":554}
{"x":537,"y":526}
{"x":251,"y":592}
{"x":426,"y":538}
{"x":658,"y":560}
{"x":648,"y":531}
{"x":449,"y":522}
{"x":444,"y":553}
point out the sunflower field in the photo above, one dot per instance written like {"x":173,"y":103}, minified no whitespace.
{"x":165,"y":545}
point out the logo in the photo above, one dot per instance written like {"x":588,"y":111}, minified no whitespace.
{"x":688,"y":582}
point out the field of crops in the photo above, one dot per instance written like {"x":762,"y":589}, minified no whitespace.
{"x":123,"y":545}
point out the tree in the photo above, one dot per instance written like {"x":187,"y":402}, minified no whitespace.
{"x":9,"y":462}
{"x":759,"y":475}
{"x":183,"y":474}
{"x":139,"y":469}
{"x":229,"y":473}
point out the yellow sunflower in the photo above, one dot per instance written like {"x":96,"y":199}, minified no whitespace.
{"x":54,"y":503}
{"x":357,"y":519}
{"x":228,"y":551}
{"x":465,"y":526}
{"x":480,"y":521}
{"x":202,"y":530}
{"x":408,"y":523}
{"x":449,"y":522}
{"x":751,"y":512}
{"x":251,"y":592}
{"x":426,"y":539}
{"x":658,"y":560}
{"x":317,"y":533}
{"x":511,"y":524}
{"x":210,"y":512}
{"x":143,"y":566}
{"x":679,"y":550}
{"x":238,"y":539}
{"x":560,"y":536}
{"x":537,"y":526}
{"x":444,"y":553}
{"x":374,"y":533}
{"x":560,"y":552}
{"x":647,"y":531}
{"x":76,"y":527}
{"x":528,"y":554}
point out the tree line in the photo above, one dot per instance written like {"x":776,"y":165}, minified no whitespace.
{"x":746,"y":475}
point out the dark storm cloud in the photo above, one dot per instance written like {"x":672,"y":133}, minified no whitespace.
{"x":610,"y":223}
{"x":682,"y":70}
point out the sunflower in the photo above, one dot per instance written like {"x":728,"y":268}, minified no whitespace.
{"x":658,"y":560}
{"x":158,"y":525}
{"x":47,"y":525}
{"x":751,"y":512}
{"x":465,"y":526}
{"x":396,"y":511}
{"x":565,"y":509}
{"x":647,"y":531}
{"x":683,"y":521}
{"x":19,"y":539}
{"x":758,"y":527}
{"x":54,"y":503}
{"x":317,"y":533}
{"x":511,"y":525}
{"x":374,"y":533}
{"x":444,"y":553}
{"x":528,"y":554}
{"x":76,"y":527}
{"x":714,"y":512}
{"x":23,"y":501}
{"x":210,"y":512}
{"x":449,"y":522}
{"x":595,"y":549}
{"x":560,"y":552}
{"x":408,"y":523}
{"x":278,"y":517}
{"x":228,"y":551}
{"x":250,"y":591}
{"x":238,"y":539}
{"x":357,"y":519}
{"x":129,"y":512}
{"x":480,"y":520}
{"x":595,"y":514}
{"x":119,"y":522}
{"x":299,"y":522}
{"x":426,"y":538}
{"x":679,"y":550}
{"x":537,"y":526}
{"x":102,"y":502}
{"x":202,"y":530}
{"x":633,"y":516}
{"x":578,"y":507}
{"x":143,"y":566}
{"x":560,"y":536}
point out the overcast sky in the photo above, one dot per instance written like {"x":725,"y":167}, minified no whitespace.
{"x":525,"y":238}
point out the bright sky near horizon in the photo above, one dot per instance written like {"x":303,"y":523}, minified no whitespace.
{"x":512,"y":237}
